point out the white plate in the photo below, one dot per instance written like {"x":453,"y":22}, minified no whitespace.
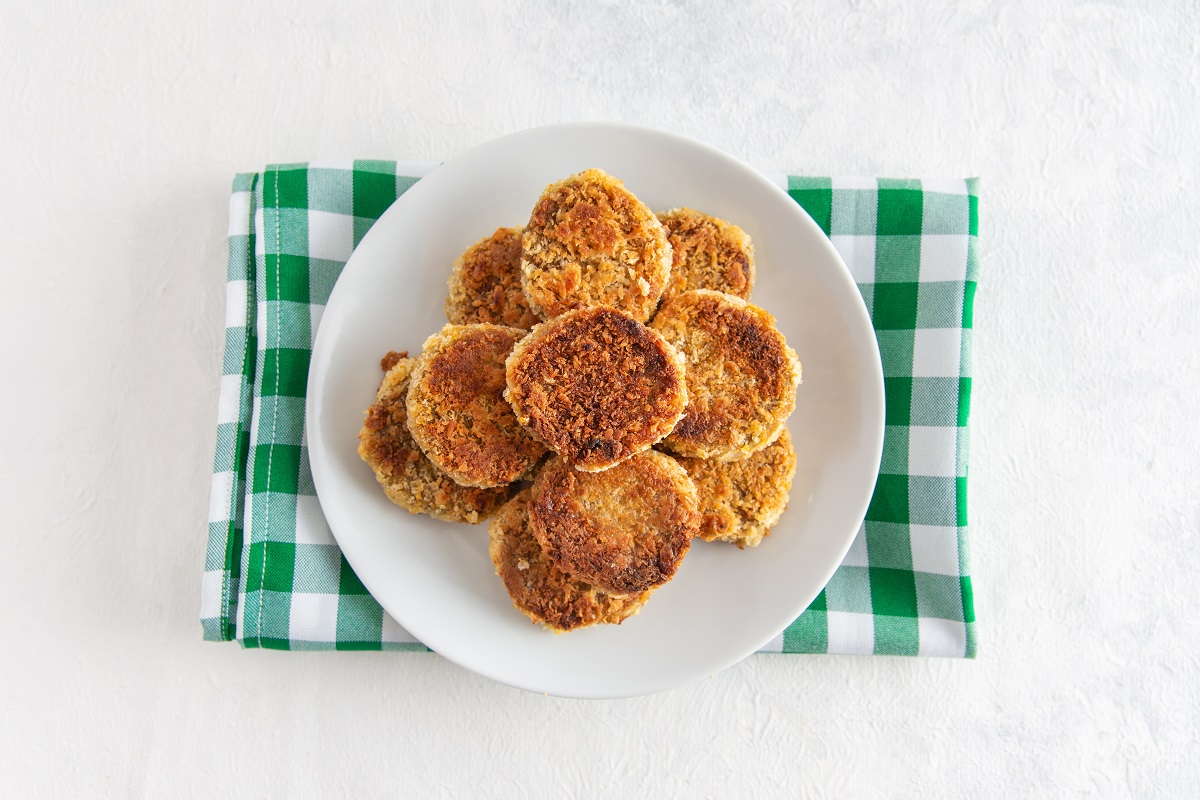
{"x":436,"y":579}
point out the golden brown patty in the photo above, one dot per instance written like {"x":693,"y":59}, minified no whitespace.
{"x":707,"y":253}
{"x":741,"y":375}
{"x":540,"y":590}
{"x":456,"y":407}
{"x":741,"y":500}
{"x":596,"y":386}
{"x":590,"y":242}
{"x":485,"y":283}
{"x":409,"y":479}
{"x":624,"y":530}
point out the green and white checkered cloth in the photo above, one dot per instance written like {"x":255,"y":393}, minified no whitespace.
{"x":274,"y":576}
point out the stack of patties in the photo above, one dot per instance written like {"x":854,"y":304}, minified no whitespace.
{"x":645,"y":340}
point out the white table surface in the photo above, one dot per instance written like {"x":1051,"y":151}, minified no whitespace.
{"x":120,"y":128}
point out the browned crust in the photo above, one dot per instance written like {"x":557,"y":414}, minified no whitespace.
{"x":741,"y":500}
{"x":485,"y":283}
{"x":741,"y":375}
{"x":409,"y":479}
{"x":707,"y":253}
{"x":540,"y":590}
{"x":590,"y":242}
{"x":596,"y":386}
{"x":624,"y":530}
{"x":456,"y":407}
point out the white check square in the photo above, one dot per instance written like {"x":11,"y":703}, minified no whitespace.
{"x":313,"y":617}
{"x":859,"y":254}
{"x":851,"y":633}
{"x":311,"y":527}
{"x":856,"y":556}
{"x":943,"y":257}
{"x":933,"y":451}
{"x":239,"y":214}
{"x":941,"y":637}
{"x":330,"y":236}
{"x":210,"y":594}
{"x":936,"y":352}
{"x":934,"y":549}
{"x":220,"y":496}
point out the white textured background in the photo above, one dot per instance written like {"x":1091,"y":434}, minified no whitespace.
{"x":120,"y":127}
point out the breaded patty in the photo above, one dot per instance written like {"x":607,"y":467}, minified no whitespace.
{"x":596,"y":386}
{"x":707,"y":253}
{"x":485,"y":283}
{"x":741,"y":375}
{"x":624,"y":530}
{"x":409,"y":479}
{"x":741,"y":500}
{"x":456,"y":407}
{"x":590,"y":242}
{"x":540,"y":590}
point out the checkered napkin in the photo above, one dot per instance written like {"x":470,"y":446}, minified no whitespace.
{"x":273,"y":574}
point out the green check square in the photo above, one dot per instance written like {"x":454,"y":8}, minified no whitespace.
{"x":939,"y":304}
{"x":276,"y":468}
{"x":348,"y":582}
{"x":935,"y":401}
{"x":900,"y":212}
{"x":373,"y":192}
{"x":897,"y":259}
{"x":817,"y":202}
{"x":849,"y":590}
{"x":808,"y":634}
{"x":359,"y":619}
{"x":271,"y":566}
{"x":285,"y":186}
{"x":888,"y":545}
{"x":893,"y":592}
{"x":896,"y":352}
{"x":945,"y":213}
{"x":897,"y":636}
{"x":939,"y":596}
{"x":286,"y":278}
{"x":898,"y":400}
{"x":285,"y":372}
{"x":968,"y":599}
{"x":933,"y":500}
{"x":322,"y":275}
{"x":894,"y":459}
{"x":973,"y":212}
{"x":316,"y":568}
{"x":330,"y":189}
{"x":853,"y":212}
{"x":896,"y":306}
{"x":968,"y":308}
{"x":889,"y":503}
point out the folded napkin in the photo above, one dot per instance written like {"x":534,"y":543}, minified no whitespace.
{"x":274,"y":576}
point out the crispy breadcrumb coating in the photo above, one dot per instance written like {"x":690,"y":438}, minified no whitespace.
{"x":540,"y":590}
{"x":741,"y":374}
{"x":741,"y":500}
{"x":456,"y":407}
{"x":409,"y":479}
{"x":590,"y":242}
{"x":485,"y":283}
{"x":596,"y":386}
{"x":624,"y":530}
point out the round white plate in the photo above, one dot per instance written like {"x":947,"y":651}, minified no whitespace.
{"x":435,"y":577}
